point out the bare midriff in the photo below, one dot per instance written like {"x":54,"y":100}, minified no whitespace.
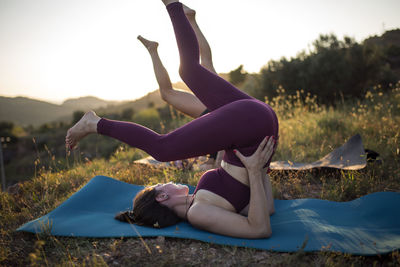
{"x":210,"y":198}
{"x":239,"y":173}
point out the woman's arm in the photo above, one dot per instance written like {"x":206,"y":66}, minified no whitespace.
{"x":221,"y":221}
{"x":268,"y":193}
{"x":261,"y":209}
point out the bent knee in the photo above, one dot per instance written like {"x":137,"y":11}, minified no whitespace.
{"x":188,"y":70}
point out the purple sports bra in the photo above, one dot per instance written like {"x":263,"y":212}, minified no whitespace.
{"x":221,"y":183}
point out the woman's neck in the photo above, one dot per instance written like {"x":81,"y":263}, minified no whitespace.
{"x":182,"y":205}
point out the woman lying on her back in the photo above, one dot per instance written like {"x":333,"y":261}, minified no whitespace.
{"x":235,"y":199}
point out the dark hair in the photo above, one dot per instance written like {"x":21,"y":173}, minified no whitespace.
{"x":148,"y":211}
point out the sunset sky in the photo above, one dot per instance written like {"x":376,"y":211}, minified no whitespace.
{"x":53,"y":49}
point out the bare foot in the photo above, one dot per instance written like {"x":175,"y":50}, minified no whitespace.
{"x":190,"y":13}
{"x":150,"y":45}
{"x":86,"y":125}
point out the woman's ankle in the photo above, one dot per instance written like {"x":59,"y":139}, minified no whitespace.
{"x":94,"y":124}
{"x":167,"y":2}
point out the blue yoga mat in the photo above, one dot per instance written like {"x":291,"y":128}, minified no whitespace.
{"x":369,"y":225}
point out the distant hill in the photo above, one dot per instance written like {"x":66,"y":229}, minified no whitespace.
{"x":87,"y":102}
{"x":138,"y":104}
{"x":26,"y":111}
{"x":152,"y":98}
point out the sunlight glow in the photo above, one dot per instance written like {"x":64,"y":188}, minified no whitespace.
{"x":54,"y":49}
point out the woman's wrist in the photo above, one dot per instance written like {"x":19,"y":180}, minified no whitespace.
{"x":254,"y":172}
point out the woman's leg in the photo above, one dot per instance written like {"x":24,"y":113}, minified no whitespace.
{"x":181,"y":100}
{"x":226,"y":128}
{"x":205,"y":49}
{"x":212,"y":90}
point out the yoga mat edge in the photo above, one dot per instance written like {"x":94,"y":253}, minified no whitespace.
{"x":368,"y":225}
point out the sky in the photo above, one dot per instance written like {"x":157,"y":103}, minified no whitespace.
{"x":53,"y":49}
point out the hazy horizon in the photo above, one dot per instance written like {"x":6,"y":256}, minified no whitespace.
{"x":59,"y":102}
{"x":53,"y":50}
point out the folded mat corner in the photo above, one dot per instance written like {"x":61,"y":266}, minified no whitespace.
{"x":350,"y":156}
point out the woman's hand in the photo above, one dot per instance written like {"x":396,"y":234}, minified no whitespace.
{"x":260,"y":157}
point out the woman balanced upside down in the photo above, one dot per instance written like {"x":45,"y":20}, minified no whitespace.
{"x":235,"y":199}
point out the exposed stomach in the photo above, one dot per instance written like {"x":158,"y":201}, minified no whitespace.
{"x":207,"y":197}
{"x":239,"y":173}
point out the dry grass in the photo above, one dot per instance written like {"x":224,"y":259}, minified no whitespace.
{"x":307,"y":132}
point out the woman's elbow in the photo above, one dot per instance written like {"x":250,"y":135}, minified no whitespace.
{"x":266,"y":234}
{"x":263,"y":233}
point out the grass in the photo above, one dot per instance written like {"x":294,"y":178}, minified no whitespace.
{"x":307,"y":132}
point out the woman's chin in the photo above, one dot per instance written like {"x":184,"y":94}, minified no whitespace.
{"x":186,"y":188}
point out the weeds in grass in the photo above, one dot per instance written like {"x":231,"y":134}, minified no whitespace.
{"x":307,"y":131}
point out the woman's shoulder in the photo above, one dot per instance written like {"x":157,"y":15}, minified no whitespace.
{"x":199,"y":211}
{"x":202,"y":213}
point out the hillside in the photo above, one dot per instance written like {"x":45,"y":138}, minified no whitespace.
{"x":87,"y":102}
{"x":26,"y":111}
{"x":138,"y":104}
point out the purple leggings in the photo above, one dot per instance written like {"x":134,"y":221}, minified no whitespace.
{"x":236,"y":120}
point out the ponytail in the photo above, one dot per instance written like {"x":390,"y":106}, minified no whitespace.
{"x":125,"y":216}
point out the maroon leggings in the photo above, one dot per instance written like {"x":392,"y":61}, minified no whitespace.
{"x":236,"y":120}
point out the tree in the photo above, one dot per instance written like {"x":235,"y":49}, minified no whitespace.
{"x":127,"y":114}
{"x":151,"y":104}
{"x":237,"y":76}
{"x":332,"y":69}
{"x":7,"y":131}
{"x":77,"y":115}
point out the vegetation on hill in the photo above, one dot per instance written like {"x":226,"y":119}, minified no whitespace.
{"x":29,"y":112}
{"x":25,"y":111}
{"x":333,"y":69}
{"x":308,"y":130}
{"x":87,"y":102}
